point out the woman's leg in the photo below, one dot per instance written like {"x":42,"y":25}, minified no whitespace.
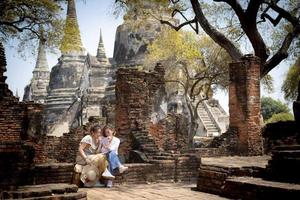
{"x":101,"y":162}
{"x":114,"y":161}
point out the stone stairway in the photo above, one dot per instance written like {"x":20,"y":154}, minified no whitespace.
{"x":161,"y":165}
{"x":58,"y":191}
{"x":208,"y":123}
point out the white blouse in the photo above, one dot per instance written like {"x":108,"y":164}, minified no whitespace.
{"x":93,"y":148}
{"x":114,"y":145}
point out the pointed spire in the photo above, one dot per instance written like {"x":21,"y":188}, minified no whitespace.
{"x":71,"y":12}
{"x":71,"y":41}
{"x":41,"y":62}
{"x":101,"y":51}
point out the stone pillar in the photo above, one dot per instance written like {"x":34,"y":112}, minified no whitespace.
{"x":244,"y":105}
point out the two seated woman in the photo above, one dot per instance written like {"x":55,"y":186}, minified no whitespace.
{"x":98,"y":156}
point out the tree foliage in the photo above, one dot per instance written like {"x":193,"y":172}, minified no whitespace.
{"x":271,"y":27}
{"x":194,"y":67}
{"x":290,"y":84}
{"x":188,"y":55}
{"x":269,"y":107}
{"x":26,"y":20}
{"x":283,"y":116}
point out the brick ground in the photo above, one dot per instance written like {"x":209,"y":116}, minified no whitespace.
{"x":157,"y":191}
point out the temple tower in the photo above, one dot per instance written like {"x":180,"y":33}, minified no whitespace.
{"x":37,"y":89}
{"x":62,"y":103}
{"x":99,"y":76}
{"x":101,"y":56}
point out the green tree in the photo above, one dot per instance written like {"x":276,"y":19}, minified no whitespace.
{"x":290,"y":84}
{"x":269,"y":107}
{"x":191,"y":68}
{"x":26,"y":20}
{"x":283,"y":116}
{"x":271,"y":27}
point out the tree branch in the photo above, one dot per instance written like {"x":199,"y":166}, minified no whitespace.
{"x":218,"y":37}
{"x":283,"y":13}
{"x":177,"y":28}
{"x":282,"y":53}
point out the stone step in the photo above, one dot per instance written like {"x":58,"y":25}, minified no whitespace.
{"x":249,"y":188}
{"x":53,"y":173}
{"x":162,"y":157}
{"x":210,"y":125}
{"x":286,"y":154}
{"x":68,"y":196}
{"x":43,"y":191}
{"x":287,"y":147}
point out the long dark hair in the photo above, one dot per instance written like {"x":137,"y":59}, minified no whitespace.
{"x":107,"y":126}
{"x":94,"y":128}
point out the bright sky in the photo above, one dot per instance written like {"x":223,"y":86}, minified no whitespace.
{"x":93,"y":15}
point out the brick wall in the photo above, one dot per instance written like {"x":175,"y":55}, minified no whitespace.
{"x":16,"y":157}
{"x":135,"y":95}
{"x":244,"y":104}
{"x":171,"y":133}
{"x":138,"y":96}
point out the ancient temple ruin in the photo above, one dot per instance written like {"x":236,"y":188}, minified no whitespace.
{"x":82,"y":85}
{"x":248,"y":161}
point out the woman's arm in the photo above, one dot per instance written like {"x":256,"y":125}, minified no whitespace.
{"x":82,"y":146}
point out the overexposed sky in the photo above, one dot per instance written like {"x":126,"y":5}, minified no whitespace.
{"x":93,"y":15}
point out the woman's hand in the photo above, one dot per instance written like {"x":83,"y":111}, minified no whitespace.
{"x":88,"y":161}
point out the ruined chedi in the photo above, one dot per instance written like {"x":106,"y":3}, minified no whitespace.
{"x":65,"y":77}
{"x":37,"y":89}
{"x":100,"y":72}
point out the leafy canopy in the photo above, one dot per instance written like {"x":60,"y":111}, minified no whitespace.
{"x":283,"y":116}
{"x":290,"y":84}
{"x":269,"y":107}
{"x":269,"y":29}
{"x":26,"y":20}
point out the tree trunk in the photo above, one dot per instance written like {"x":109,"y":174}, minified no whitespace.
{"x":296,"y":107}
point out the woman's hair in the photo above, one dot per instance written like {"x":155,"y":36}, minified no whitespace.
{"x":107,"y":126}
{"x":94,"y":128}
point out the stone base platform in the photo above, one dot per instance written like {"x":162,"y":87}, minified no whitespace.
{"x":214,"y":171}
{"x":182,"y":170}
{"x":249,"y":188}
{"x":57,"y":191}
{"x":53,"y":173}
{"x":242,"y":178}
